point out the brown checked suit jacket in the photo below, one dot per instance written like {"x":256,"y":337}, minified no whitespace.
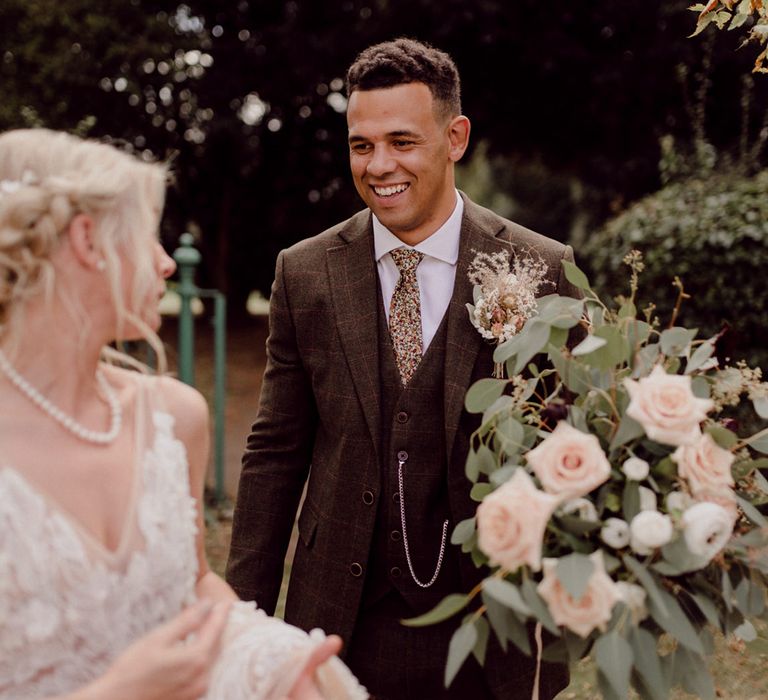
{"x":319,"y":418}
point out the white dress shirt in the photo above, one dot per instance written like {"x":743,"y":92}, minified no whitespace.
{"x":435,"y":274}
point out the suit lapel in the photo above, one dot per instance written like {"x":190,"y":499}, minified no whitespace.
{"x":354,"y":290}
{"x":463,"y":342}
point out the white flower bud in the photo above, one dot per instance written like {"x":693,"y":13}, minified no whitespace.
{"x":707,"y":527}
{"x":648,"y":530}
{"x":580,"y":507}
{"x":677,"y":500}
{"x":633,"y":596}
{"x":635,"y":469}
{"x":615,"y":533}
{"x":647,"y":499}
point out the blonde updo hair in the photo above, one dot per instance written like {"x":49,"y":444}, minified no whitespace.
{"x":46,"y":178}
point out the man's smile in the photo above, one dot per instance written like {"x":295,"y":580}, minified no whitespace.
{"x":389,"y":190}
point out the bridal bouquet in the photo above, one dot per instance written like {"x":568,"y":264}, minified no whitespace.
{"x":619,"y":501}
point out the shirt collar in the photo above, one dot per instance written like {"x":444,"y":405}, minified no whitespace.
{"x":443,"y":244}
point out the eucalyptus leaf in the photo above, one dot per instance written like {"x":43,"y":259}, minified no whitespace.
{"x":511,"y":431}
{"x":498,"y":616}
{"x":558,"y":337}
{"x":691,"y":669}
{"x":761,"y":406}
{"x":472,"y":466}
{"x":461,"y":645}
{"x":575,"y":276}
{"x":702,"y":353}
{"x":481,"y":645}
{"x":463,"y":531}
{"x":629,"y":429}
{"x":675,"y":622}
{"x":446,"y":608}
{"x":506,"y":593}
{"x":573,"y":375}
{"x":645,"y":359}
{"x":759,"y":441}
{"x":483,"y":393}
{"x":503,"y":474}
{"x":533,"y":340}
{"x":646,"y":660}
{"x":708,"y":608}
{"x":746,"y":631}
{"x":479,"y":491}
{"x":500,"y":406}
{"x":751,"y":512}
{"x":631,"y":500}
{"x":675,"y":341}
{"x":486,"y":459}
{"x":722,"y":436}
{"x":614,"y":658}
{"x":588,"y":345}
{"x":537,"y":606}
{"x":574,"y":571}
{"x":647,"y":581}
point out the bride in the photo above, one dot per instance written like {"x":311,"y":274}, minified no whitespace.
{"x":105,"y":592}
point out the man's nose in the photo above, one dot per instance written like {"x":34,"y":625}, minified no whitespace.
{"x":381,"y":162}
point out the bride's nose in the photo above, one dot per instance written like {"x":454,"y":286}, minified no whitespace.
{"x":166,"y":265}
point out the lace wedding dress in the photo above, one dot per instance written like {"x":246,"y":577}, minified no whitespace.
{"x":69,"y":606}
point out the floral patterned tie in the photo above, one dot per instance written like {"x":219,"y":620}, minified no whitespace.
{"x":405,"y":313}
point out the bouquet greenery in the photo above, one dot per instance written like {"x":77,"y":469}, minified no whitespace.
{"x":619,"y":506}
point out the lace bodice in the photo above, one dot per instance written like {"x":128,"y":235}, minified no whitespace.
{"x":69,"y":606}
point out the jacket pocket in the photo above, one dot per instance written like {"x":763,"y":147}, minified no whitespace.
{"x":307,"y":525}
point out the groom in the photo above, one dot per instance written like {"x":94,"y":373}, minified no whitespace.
{"x":369,"y":356}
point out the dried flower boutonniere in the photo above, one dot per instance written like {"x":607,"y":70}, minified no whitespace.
{"x":504,"y":295}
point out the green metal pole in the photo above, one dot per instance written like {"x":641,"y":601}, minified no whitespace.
{"x":187,"y":258}
{"x":220,"y":391}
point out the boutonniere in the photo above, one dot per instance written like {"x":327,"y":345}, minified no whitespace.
{"x":504,"y":295}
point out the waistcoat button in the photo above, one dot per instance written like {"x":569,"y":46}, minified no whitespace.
{"x":355,"y":569}
{"x":395,"y":535}
{"x":402,"y":456}
{"x":402,"y":417}
{"x":368,"y":498}
{"x":395,"y":572}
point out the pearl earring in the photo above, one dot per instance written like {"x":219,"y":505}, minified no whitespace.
{"x":101,"y":265}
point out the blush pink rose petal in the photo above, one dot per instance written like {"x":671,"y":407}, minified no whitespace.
{"x":705,"y":465}
{"x":666,"y":407}
{"x":569,"y":462}
{"x":592,"y":610}
{"x":511,"y":522}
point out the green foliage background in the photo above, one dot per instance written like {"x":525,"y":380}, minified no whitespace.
{"x":712,"y":232}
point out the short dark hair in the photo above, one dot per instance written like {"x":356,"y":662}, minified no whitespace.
{"x":404,"y":61}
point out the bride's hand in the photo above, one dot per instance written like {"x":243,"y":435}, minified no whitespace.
{"x":172,"y":662}
{"x":305,"y":687}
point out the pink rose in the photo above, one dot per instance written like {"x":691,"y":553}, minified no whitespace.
{"x":592,"y":610}
{"x":569,"y":462}
{"x":511,"y":522}
{"x":705,"y":465}
{"x":665,"y":406}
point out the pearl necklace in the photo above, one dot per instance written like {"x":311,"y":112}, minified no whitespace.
{"x":77,"y":429}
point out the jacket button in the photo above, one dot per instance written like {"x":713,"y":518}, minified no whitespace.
{"x":368,"y":498}
{"x":395,"y":572}
{"x":396,"y":497}
{"x":402,"y":417}
{"x":355,"y":569}
{"x":402,"y":456}
{"x":395,"y":535}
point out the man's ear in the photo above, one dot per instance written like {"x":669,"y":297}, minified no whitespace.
{"x":458,"y":136}
{"x":82,"y":241}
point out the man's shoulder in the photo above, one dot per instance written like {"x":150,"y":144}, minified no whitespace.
{"x":507,"y":230}
{"x":342,"y":232}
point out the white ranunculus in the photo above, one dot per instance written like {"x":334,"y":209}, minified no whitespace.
{"x":635,"y":469}
{"x":649,"y":530}
{"x":647,"y":499}
{"x":582,"y":508}
{"x":615,"y":533}
{"x":707,"y":527}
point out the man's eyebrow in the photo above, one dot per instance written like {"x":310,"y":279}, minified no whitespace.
{"x":390,"y":134}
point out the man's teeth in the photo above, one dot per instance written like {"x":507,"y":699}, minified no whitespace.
{"x":389,"y":191}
